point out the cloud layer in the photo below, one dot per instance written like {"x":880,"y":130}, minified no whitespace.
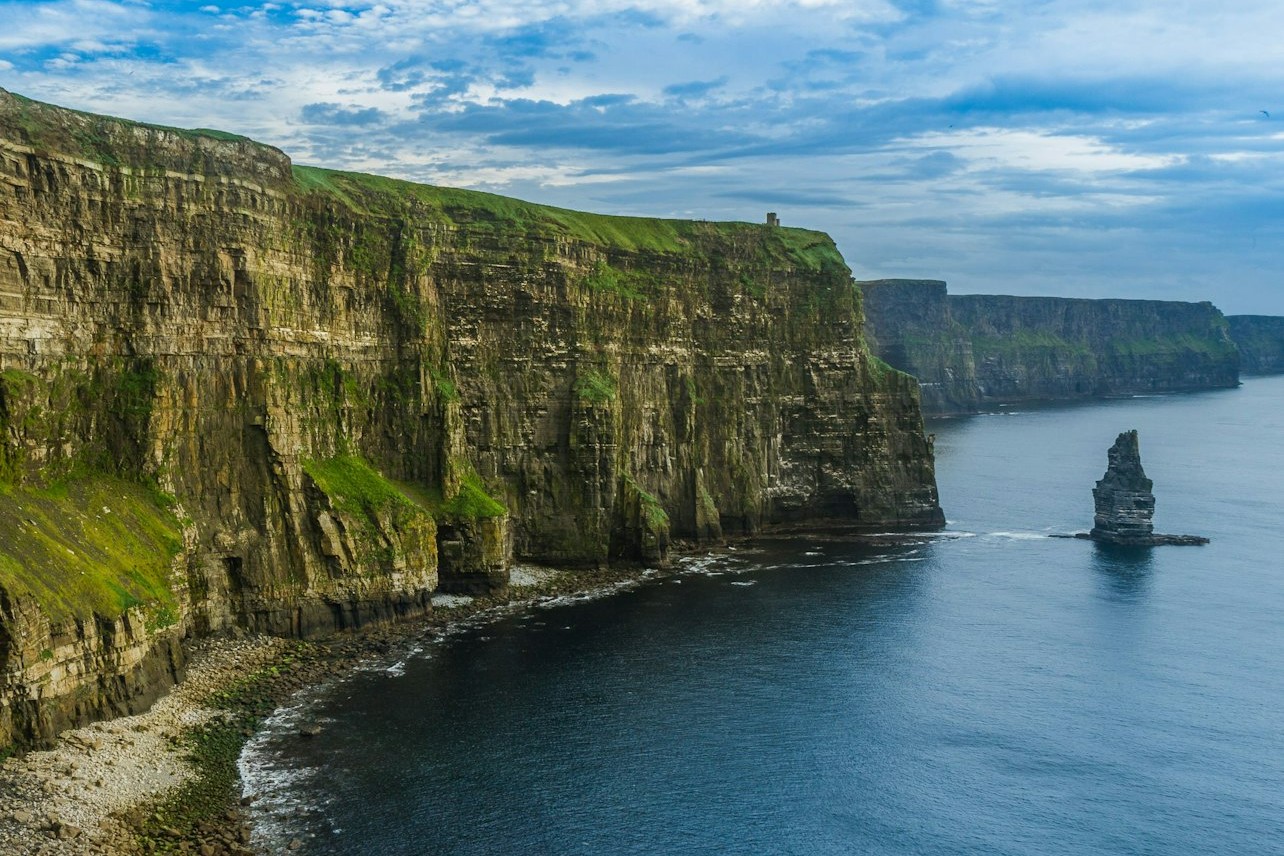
{"x":1079,"y":148}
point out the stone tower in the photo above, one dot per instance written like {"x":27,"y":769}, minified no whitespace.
{"x":1125,"y":503}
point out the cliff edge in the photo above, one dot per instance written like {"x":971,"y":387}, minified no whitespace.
{"x":236,"y":392}
{"x":973,"y":351}
{"x":1260,"y":339}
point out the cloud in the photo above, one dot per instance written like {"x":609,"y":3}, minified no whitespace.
{"x":961,"y":139}
{"x":337,"y":114}
{"x":694,"y":88}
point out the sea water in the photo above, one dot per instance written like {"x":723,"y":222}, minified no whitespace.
{"x":989,"y":691}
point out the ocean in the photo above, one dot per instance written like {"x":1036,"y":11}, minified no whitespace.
{"x":988,"y":691}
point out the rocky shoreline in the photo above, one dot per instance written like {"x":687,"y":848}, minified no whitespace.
{"x":166,"y":781}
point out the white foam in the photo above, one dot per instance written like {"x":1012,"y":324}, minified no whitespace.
{"x":1019,"y":536}
{"x":448,"y":601}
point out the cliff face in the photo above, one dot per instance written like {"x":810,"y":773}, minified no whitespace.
{"x":972,"y":351}
{"x":239,"y":392}
{"x":909,"y":325}
{"x":1260,"y":339}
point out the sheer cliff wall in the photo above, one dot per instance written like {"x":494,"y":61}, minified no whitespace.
{"x":973,"y":351}
{"x":236,"y":392}
{"x":1260,"y":339}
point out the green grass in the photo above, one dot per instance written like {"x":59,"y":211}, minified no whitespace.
{"x":472,"y":502}
{"x":628,"y":284}
{"x":880,"y":369}
{"x":1209,"y":346}
{"x":366,"y":499}
{"x":97,"y":545}
{"x":372,"y":194}
{"x":596,"y":386}
{"x":377,"y":194}
{"x":93,"y":136}
{"x":446,"y":387}
{"x":356,"y":488}
{"x":1020,"y":341}
{"x":656,"y":517}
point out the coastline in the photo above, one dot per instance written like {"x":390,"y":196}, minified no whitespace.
{"x":166,"y":780}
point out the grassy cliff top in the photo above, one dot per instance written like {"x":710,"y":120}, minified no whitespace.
{"x":140,"y":146}
{"x":115,"y":142}
{"x":379,"y":195}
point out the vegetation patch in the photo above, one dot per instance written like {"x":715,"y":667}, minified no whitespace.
{"x":96,"y":545}
{"x":356,"y":488}
{"x":1025,"y":341}
{"x":446,"y":387}
{"x":472,"y":502}
{"x":596,"y":386}
{"x":880,"y":369}
{"x":803,"y":249}
{"x":368,"y":502}
{"x":1183,"y":343}
{"x":629,"y":284}
{"x":653,"y":512}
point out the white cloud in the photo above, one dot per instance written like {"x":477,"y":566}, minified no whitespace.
{"x":1038,"y":151}
{"x":824,"y":100}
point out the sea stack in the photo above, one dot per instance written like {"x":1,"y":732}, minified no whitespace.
{"x":1125,"y":502}
{"x":1124,"y":498}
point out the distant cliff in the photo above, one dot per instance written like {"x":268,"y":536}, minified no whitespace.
{"x":238,"y":392}
{"x":974,"y":351}
{"x":1260,"y":339}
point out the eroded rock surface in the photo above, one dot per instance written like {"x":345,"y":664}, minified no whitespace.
{"x":1125,"y":501}
{"x":973,"y":351}
{"x":235,"y":392}
{"x":1260,"y":339}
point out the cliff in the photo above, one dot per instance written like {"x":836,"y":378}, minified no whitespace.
{"x":239,"y":392}
{"x":1260,"y":339}
{"x":974,"y":351}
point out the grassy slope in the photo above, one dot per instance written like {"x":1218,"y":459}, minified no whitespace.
{"x":96,"y":545}
{"x":378,"y":195}
{"x":358,"y":489}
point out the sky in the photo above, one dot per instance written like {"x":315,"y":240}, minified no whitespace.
{"x":1132,"y":148}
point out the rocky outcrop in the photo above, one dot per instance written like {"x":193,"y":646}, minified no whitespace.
{"x":1260,"y":339}
{"x":1125,"y":501}
{"x":240,"y":393}
{"x":1124,"y":498}
{"x":970,"y":352}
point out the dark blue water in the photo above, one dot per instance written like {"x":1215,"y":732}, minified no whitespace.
{"x":991,"y":692}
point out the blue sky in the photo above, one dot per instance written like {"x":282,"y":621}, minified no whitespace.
{"x":1068,"y":147}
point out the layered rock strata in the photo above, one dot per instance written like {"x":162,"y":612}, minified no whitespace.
{"x":1260,"y":339}
{"x":1124,"y":501}
{"x":970,"y":352}
{"x":240,"y":393}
